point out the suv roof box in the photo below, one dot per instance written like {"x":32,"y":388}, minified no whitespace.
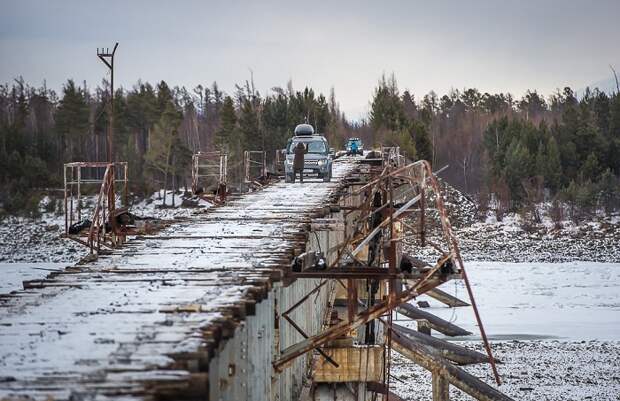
{"x":304,"y":130}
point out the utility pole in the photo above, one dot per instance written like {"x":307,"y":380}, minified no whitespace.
{"x":108,"y":60}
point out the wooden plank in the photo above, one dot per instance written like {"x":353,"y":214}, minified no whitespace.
{"x":436,"y":323}
{"x":446,"y":298}
{"x":456,"y":376}
{"x":440,"y":386}
{"x":448,"y":350}
{"x":355,"y":364}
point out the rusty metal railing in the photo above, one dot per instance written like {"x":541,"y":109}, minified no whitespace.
{"x":210,"y":174}
{"x":102,"y":229}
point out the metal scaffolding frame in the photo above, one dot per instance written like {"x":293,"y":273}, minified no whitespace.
{"x":102,"y":227}
{"x":255,"y":167}
{"x":391,"y":156}
{"x":278,"y":162}
{"x":210,"y":169}
{"x":372,"y":253}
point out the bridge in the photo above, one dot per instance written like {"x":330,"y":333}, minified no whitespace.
{"x":283,"y":293}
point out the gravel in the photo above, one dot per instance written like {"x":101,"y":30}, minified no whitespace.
{"x":531,"y":370}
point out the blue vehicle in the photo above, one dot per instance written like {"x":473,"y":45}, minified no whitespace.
{"x":354,"y":146}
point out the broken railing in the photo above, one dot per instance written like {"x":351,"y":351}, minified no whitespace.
{"x":371,"y":256}
{"x":255,"y":167}
{"x":100,"y":225}
{"x":278,"y":162}
{"x":392,"y":157}
{"x":209,"y":175}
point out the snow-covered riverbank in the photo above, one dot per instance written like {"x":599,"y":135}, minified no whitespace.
{"x":549,"y":370}
{"x":39,"y":241}
{"x":554,"y":326}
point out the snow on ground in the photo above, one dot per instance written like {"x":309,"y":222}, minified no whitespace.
{"x":26,"y":241}
{"x":33,"y":241}
{"x":510,"y":240}
{"x":551,"y":370}
{"x":555,"y":327}
{"x":507,"y":241}
{"x":549,"y":298}
{"x":97,"y":325}
{"x":13,"y":274}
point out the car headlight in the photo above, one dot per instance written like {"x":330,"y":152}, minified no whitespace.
{"x":322,"y":162}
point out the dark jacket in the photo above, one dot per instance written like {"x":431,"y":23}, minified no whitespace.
{"x":299,"y":151}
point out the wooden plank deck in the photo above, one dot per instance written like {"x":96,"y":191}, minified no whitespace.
{"x":129,"y":325}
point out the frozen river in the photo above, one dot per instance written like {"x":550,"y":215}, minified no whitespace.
{"x":572,"y":301}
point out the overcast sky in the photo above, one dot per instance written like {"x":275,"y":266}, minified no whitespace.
{"x":492,"y":45}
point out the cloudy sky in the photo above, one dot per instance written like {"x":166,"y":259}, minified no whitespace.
{"x":491,"y":45}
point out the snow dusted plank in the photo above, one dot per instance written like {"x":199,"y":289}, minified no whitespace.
{"x":119,"y":328}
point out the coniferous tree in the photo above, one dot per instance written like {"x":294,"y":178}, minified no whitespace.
{"x":160,"y":156}
{"x":225,"y":136}
{"x":553,"y":168}
{"x":72,"y":121}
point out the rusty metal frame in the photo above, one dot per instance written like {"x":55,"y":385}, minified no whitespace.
{"x":420,"y":178}
{"x":254,"y":166}
{"x":285,"y":315}
{"x":278,"y":162}
{"x":80,"y":174}
{"x":210,"y":168}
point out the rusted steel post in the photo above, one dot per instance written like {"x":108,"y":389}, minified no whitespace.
{"x":79,"y":190}
{"x":392,"y":247}
{"x":112,"y":202}
{"x":454,"y":249}
{"x":71,"y":198}
{"x":422,"y":214}
{"x":125,"y":188}
{"x":392,"y":282}
{"x":483,"y":334}
{"x":246,"y":165}
{"x":66,"y":211}
{"x":351,"y":299}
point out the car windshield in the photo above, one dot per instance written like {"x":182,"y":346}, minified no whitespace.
{"x":317,"y":147}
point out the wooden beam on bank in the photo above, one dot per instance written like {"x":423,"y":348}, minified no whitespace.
{"x":436,"y":323}
{"x":433,"y":362}
{"x":455,"y":353}
{"x":446,"y":298}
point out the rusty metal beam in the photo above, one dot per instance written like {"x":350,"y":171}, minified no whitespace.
{"x":346,"y":273}
{"x":361,"y":318}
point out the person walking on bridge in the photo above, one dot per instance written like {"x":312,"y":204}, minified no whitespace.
{"x":298,"y":162}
